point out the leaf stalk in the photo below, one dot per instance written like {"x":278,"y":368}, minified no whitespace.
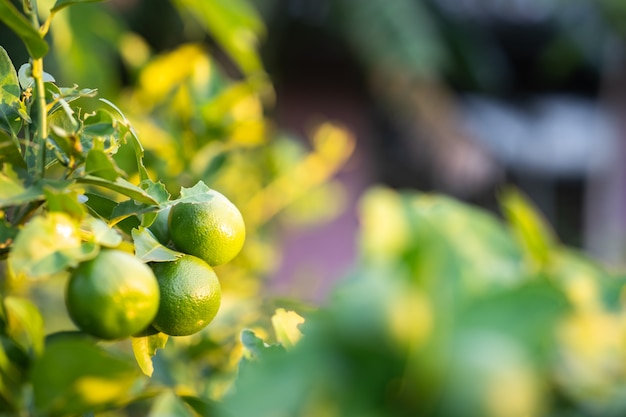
{"x":41,"y":134}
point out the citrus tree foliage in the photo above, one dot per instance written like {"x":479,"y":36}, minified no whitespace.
{"x":75,"y":179}
{"x":451,"y":312}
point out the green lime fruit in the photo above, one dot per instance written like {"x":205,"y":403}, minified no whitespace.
{"x":213,"y":231}
{"x":190,"y":296}
{"x":112,"y":296}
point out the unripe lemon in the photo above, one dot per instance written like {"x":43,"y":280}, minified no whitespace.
{"x":213,"y":231}
{"x":190,"y":296}
{"x":112,"y":296}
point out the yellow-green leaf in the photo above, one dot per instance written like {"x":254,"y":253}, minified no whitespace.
{"x":285,"y":325}
{"x":532,"y":231}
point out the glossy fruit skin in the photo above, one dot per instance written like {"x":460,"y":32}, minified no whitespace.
{"x":214,"y":231}
{"x":112,"y":296}
{"x":190,"y":296}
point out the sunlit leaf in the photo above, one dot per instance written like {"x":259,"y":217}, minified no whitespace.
{"x":285,"y":324}
{"x":199,"y":193}
{"x":75,"y":376}
{"x":12,"y":191}
{"x":169,"y":404}
{"x":18,"y":23}
{"x":145,"y":346}
{"x":148,"y":248}
{"x":64,"y":201}
{"x":531,"y":229}
{"x":10,"y":93}
{"x":162,"y":76}
{"x":99,"y":232}
{"x":48,"y":245}
{"x":121,"y":186}
{"x":157,"y":190}
{"x":24,"y":324}
{"x":10,"y":186}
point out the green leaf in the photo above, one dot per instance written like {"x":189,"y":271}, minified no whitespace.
{"x":100,"y":123}
{"x":10,"y":93}
{"x":199,"y":193}
{"x":18,"y":23}
{"x":253,"y":344}
{"x":24,"y":75}
{"x":13,"y":371}
{"x":49,"y":245}
{"x":121,"y":186}
{"x":12,"y":191}
{"x":169,"y":404}
{"x":133,"y":140}
{"x":100,"y":205}
{"x":159,"y":226}
{"x":424,"y":231}
{"x":528,"y":313}
{"x":66,"y":95}
{"x":75,"y":376}
{"x":10,"y":152}
{"x":103,"y":207}
{"x":139,"y":152}
{"x":145,"y":346}
{"x":146,"y":212}
{"x":234,"y":24}
{"x":61,"y":4}
{"x":285,"y":324}
{"x":255,"y":347}
{"x":160,"y":193}
{"x":65,"y":201}
{"x":130,"y":208}
{"x":99,"y":164}
{"x":157,"y":190}
{"x":202,"y":406}
{"x":531,"y":229}
{"x":7,"y":235}
{"x":148,"y":248}
{"x":10,"y":185}
{"x":24,"y":324}
{"x":100,"y":232}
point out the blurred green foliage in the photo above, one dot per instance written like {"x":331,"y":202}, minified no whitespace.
{"x":451,"y":312}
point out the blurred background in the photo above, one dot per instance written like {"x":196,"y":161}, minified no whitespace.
{"x":462,"y":97}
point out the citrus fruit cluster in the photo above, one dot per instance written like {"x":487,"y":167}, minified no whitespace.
{"x":116,"y":295}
